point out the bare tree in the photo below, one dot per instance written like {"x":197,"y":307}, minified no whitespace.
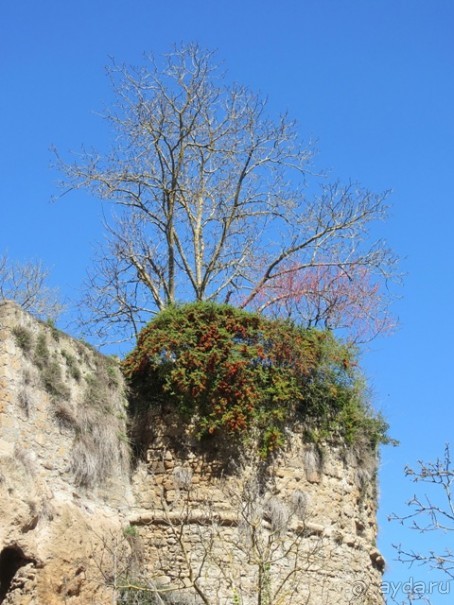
{"x":25,"y":283}
{"x":262,"y":552}
{"x":431,"y":513}
{"x":212,"y":202}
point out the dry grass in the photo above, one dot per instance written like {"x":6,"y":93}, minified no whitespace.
{"x":100,"y":448}
{"x":23,"y":338}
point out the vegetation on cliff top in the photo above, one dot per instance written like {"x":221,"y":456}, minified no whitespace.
{"x":235,"y":373}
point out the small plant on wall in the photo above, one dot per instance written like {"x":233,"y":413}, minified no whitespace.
{"x":236,"y":373}
{"x":23,"y":338}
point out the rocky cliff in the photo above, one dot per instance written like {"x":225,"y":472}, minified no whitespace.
{"x":81,"y":523}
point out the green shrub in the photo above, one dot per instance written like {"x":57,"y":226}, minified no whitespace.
{"x":139,"y":591}
{"x":42,"y":355}
{"x":134,"y":595}
{"x":72,"y":365}
{"x":130,"y":531}
{"x":23,"y":338}
{"x":53,"y":329}
{"x":113,"y":378}
{"x":52,"y":380}
{"x":50,"y":370}
{"x":236,"y":373}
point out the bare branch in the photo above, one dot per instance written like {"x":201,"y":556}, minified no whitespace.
{"x":213,"y":200}
{"x":25,"y":283}
{"x":431,"y":513}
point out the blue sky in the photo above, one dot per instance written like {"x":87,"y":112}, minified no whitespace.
{"x":372,"y":80}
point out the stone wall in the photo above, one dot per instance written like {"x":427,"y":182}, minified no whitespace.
{"x":300,"y":529}
{"x":204,"y":524}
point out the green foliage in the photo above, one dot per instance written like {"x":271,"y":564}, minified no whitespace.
{"x":237,"y":373}
{"x":52,"y":380}
{"x":136,"y":591}
{"x":72,"y":365}
{"x":130,"y":595}
{"x":113,"y":378}
{"x":50,"y":370}
{"x":130,"y":531}
{"x":50,"y":322}
{"x":23,"y":338}
{"x":41,"y":356}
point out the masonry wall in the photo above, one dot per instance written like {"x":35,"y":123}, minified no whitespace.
{"x":306,"y":521}
{"x":205,"y":524}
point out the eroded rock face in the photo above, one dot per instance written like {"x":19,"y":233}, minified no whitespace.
{"x":195,"y":523}
{"x":64,"y":468}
